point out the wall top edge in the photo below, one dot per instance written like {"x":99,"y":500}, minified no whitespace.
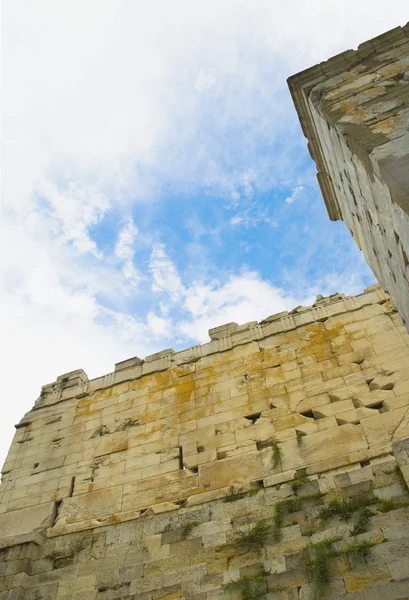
{"x":345,"y":60}
{"x":300,"y":85}
{"x":76,"y":384}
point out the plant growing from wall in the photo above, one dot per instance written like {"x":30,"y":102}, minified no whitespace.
{"x":257,"y":534}
{"x":300,"y":436}
{"x":251,"y":587}
{"x":316,"y":561}
{"x":289,"y":505}
{"x":362,"y":524}
{"x":388,"y":505}
{"x":188,"y":527}
{"x":346,"y":508}
{"x":233,"y":496}
{"x":302,"y":478}
{"x":316,"y":564}
{"x":275,"y":455}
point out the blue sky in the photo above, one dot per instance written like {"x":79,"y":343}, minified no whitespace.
{"x":156,"y":182}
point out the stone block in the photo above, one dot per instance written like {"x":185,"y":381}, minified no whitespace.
{"x":26,"y":520}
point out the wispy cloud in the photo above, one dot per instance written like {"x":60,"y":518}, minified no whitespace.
{"x":296,"y":193}
{"x":125,"y":251}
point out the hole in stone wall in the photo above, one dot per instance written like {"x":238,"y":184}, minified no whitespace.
{"x":257,"y":483}
{"x":55,"y":512}
{"x":200,"y":449}
{"x":365,"y":463}
{"x":56,"y":442}
{"x":221,"y":455}
{"x":368,"y":214}
{"x":379,"y":406}
{"x":308,"y":413}
{"x":253,"y":418}
{"x":36,"y":465}
{"x":405,"y":259}
{"x":388,"y":386}
{"x":261,"y":444}
{"x":359,"y":361}
{"x":194,"y":469}
{"x":56,"y":420}
{"x":181,"y":466}
{"x":397,"y":238}
{"x":218,"y":432}
{"x":71,"y":490}
{"x":100,"y":431}
{"x":390,"y":254}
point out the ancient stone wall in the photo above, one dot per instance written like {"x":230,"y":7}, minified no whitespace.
{"x":354,"y":110}
{"x":272,"y":462}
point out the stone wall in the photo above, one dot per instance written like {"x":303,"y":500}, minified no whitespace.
{"x":272,"y":460}
{"x":354,"y":110}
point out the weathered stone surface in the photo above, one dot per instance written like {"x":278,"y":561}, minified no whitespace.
{"x":213,"y":464}
{"x":355,"y":116}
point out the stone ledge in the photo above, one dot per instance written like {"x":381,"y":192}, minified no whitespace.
{"x":25,"y":538}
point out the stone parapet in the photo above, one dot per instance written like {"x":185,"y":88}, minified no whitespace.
{"x":223,"y":338}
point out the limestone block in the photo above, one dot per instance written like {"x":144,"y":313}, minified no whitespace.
{"x":163,"y":507}
{"x":334,"y":408}
{"x":373,"y":398}
{"x":355,"y":416}
{"x":26,"y":520}
{"x":225,"y":472}
{"x":322,"y":446}
{"x":366,"y":578}
{"x":91,"y":505}
{"x":382,"y":427}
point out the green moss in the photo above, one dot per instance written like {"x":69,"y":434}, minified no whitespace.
{"x":251,"y":587}
{"x":257,"y":534}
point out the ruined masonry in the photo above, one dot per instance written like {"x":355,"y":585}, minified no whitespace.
{"x":354,"y":110}
{"x":271,"y":462}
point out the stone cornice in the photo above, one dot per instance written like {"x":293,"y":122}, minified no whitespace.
{"x":302,"y":83}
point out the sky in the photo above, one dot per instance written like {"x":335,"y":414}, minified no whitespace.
{"x":155,"y":180}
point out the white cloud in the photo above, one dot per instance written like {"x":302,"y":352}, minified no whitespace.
{"x":296,"y":193}
{"x":125,"y":252}
{"x":165,"y":277}
{"x":241,"y":298}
